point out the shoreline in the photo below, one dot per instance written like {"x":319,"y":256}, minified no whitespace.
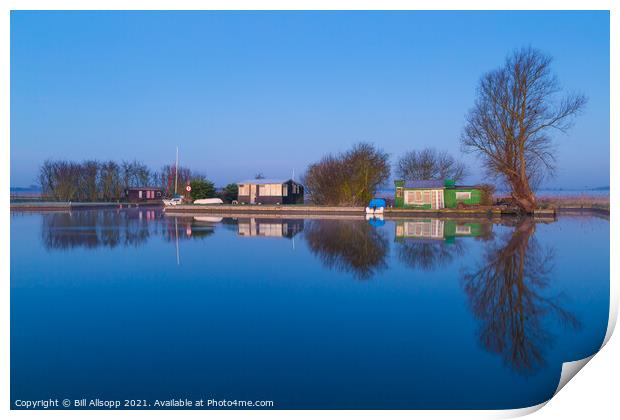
{"x":64,"y":206}
{"x":488,"y":212}
{"x":300,"y":210}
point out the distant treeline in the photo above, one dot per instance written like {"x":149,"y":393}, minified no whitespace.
{"x":93,"y":180}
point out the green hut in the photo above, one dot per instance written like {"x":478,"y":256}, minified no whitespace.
{"x":434,"y":194}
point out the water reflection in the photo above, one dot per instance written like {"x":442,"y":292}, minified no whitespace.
{"x":272,"y":227}
{"x":495,"y":307}
{"x":507,"y":295}
{"x":428,"y":244}
{"x":118,"y":228}
{"x":94,"y":229}
{"x":349,"y":246}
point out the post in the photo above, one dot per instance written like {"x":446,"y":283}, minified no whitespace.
{"x":176,"y":172}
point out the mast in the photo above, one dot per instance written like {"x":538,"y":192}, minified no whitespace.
{"x":176,"y":172}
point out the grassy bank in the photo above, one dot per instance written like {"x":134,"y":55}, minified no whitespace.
{"x":599,"y":202}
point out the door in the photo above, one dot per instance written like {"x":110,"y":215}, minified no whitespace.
{"x":437,"y":199}
{"x":253,"y":193}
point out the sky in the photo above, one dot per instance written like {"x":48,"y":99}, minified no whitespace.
{"x":271,"y":92}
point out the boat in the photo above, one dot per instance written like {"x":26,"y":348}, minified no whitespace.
{"x":173,"y":201}
{"x":376,"y":206}
{"x":209,"y":201}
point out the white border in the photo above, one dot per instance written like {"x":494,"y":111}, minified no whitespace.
{"x":276,"y":5}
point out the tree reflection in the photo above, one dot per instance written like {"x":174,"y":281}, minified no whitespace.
{"x":428,"y":256}
{"x":116,"y":228}
{"x":94,"y":229}
{"x":348,"y":245}
{"x":507,"y":295}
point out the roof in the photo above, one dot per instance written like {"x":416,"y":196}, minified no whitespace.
{"x":142,"y":188}
{"x":425,"y":184}
{"x":264,"y":181}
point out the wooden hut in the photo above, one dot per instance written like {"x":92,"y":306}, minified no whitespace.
{"x":143,"y":194}
{"x":270,"y":191}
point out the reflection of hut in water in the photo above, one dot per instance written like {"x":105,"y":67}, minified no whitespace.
{"x":427,"y":244}
{"x":188,"y":227}
{"x":440,"y":229}
{"x":279,"y":228}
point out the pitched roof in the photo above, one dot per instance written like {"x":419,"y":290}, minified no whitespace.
{"x":425,"y":184}
{"x":263,"y":181}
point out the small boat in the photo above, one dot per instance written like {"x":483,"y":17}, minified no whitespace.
{"x":209,"y":201}
{"x":173,"y":201}
{"x":376,"y":206}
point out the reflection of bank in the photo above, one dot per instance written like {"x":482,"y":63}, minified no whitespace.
{"x":439,"y":229}
{"x":277,"y":228}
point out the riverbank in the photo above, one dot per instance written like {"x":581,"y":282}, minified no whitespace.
{"x":598,"y":203}
{"x":481,"y":211}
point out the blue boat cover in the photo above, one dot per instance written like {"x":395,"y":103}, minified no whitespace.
{"x":377,"y":202}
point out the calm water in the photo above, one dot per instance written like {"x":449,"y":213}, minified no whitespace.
{"x":128,"y":304}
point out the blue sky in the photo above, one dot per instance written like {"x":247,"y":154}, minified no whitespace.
{"x":271,"y":92}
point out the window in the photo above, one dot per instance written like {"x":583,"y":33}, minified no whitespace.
{"x":399,"y":192}
{"x":463,"y":230}
{"x":284,"y":190}
{"x":244,"y":189}
{"x":463,"y":195}
{"x":140,"y":194}
{"x":270,"y":190}
{"x":418,"y":197}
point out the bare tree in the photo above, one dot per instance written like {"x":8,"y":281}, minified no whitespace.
{"x":65,"y":179}
{"x":88,"y":180}
{"x":350,"y":178}
{"x":91,"y":180}
{"x":110,"y":181}
{"x":429,"y":164}
{"x":510,"y":124}
{"x":46,"y":179}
